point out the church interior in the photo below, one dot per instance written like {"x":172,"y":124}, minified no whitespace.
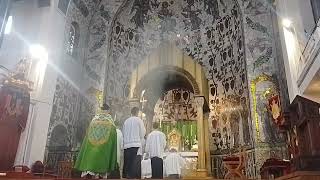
{"x":233,"y":84}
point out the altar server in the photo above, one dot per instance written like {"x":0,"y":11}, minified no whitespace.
{"x":98,"y":153}
{"x":133,"y":132}
{"x":139,"y":159}
{"x":155,"y":145}
{"x":116,"y":174}
{"x":173,"y":164}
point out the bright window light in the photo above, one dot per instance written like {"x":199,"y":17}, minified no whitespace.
{"x":39,"y":52}
{"x":8,"y":27}
{"x":286,"y":23}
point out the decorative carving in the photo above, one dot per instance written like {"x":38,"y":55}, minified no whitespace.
{"x":174,"y":140}
{"x":199,"y":101}
{"x":304,"y":133}
{"x":18,"y":78}
{"x":235,"y":165}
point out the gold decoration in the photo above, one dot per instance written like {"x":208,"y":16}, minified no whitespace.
{"x":18,"y":78}
{"x":174,"y":138}
{"x":98,"y":95}
{"x":275,"y":109}
{"x":99,"y":132}
{"x":261,"y":78}
{"x":269,"y":93}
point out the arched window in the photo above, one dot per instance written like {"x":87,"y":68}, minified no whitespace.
{"x":73,"y":39}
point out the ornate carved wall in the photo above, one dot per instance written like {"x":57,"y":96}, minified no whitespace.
{"x":204,"y":30}
{"x":176,"y":104}
{"x":232,"y":39}
{"x":72,"y":112}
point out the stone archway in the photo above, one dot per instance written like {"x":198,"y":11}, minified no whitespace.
{"x":187,"y":74}
{"x":168,"y":57}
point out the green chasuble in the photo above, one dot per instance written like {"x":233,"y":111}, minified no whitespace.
{"x":98,"y":153}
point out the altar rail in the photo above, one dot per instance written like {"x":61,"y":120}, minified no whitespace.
{"x":53,"y":157}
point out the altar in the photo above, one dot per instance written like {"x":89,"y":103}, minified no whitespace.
{"x":179,"y":115}
{"x":182,"y":136}
{"x":191,"y":159}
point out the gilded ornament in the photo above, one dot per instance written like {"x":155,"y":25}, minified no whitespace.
{"x":261,"y":78}
{"x":18,"y":78}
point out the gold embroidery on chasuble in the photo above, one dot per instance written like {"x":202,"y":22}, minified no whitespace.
{"x":99,"y":132}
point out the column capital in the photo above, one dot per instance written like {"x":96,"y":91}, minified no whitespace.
{"x":199,"y":100}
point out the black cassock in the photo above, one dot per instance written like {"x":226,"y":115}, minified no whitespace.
{"x":157,"y":168}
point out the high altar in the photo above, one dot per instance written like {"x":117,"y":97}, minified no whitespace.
{"x":179,"y":115}
{"x":177,"y":141}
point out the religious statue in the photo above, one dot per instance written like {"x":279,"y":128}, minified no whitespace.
{"x":174,"y":139}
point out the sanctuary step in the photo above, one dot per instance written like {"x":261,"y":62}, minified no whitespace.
{"x":302,"y":175}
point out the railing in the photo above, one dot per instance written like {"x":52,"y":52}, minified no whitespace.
{"x":54,"y":156}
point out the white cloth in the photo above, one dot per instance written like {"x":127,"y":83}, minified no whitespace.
{"x":141,"y":149}
{"x":119,"y":146}
{"x":155,"y":144}
{"x":96,"y":176}
{"x":173,"y":164}
{"x":146,"y":170}
{"x":133,"y":131}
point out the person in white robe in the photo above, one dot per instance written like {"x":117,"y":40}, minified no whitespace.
{"x":139,"y":159}
{"x":133,"y":131}
{"x":173,"y":164}
{"x":146,"y":171}
{"x":155,"y":146}
{"x":116,"y":174}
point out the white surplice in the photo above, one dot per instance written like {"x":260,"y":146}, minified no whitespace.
{"x":133,"y":131}
{"x":119,"y":146}
{"x":173,"y":164}
{"x":155,"y":144}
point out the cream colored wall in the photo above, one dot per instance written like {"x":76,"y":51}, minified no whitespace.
{"x":294,"y":40}
{"x":34,"y":25}
{"x":169,"y":55}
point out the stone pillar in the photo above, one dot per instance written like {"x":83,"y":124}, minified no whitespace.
{"x":206,"y":142}
{"x":202,"y":171}
{"x":149,"y":121}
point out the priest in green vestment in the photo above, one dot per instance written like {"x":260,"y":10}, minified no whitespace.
{"x":98,"y":153}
